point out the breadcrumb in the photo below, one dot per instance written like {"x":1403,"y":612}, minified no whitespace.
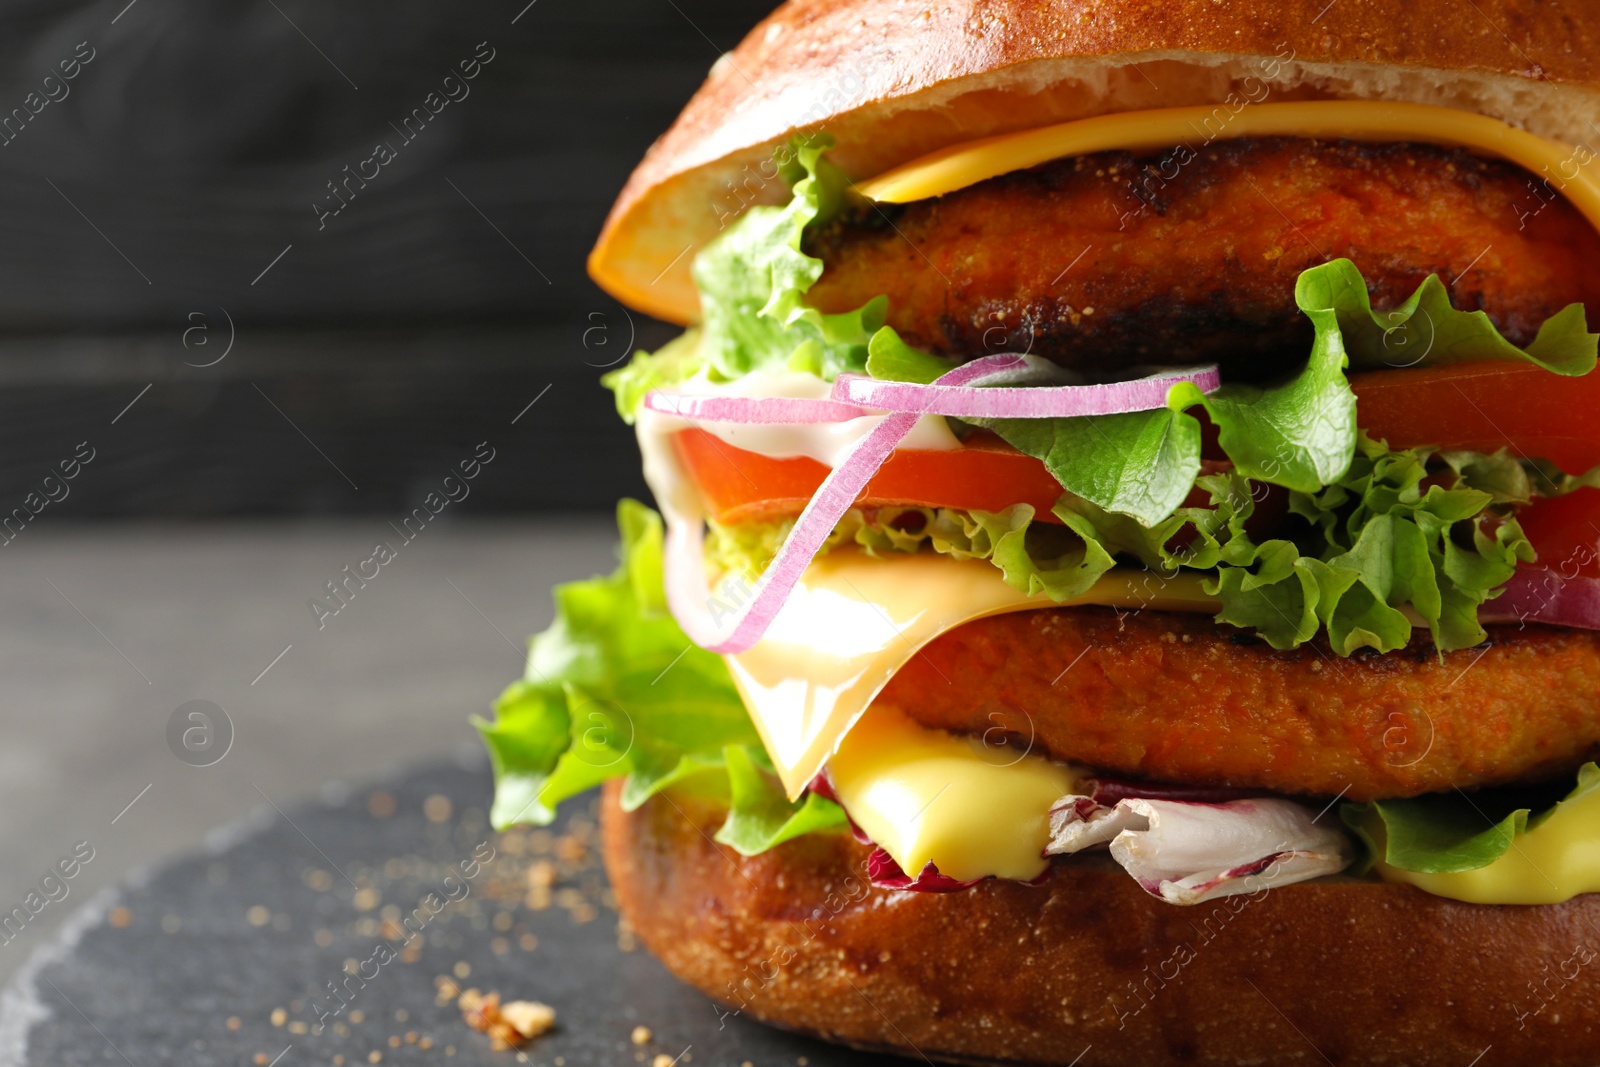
{"x":508,"y":1025}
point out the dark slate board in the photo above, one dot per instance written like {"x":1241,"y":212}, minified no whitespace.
{"x":176,"y":968}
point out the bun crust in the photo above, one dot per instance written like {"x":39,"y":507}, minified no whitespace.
{"x":892,"y":81}
{"x":1088,"y":964}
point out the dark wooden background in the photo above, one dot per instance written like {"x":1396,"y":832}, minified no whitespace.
{"x":138,"y":213}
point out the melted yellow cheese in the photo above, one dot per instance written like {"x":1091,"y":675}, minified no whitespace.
{"x":1554,"y":861}
{"x":967,"y":164}
{"x":924,"y":796}
{"x":854,"y":620}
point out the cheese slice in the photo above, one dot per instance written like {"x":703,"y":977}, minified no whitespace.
{"x":1554,"y":861}
{"x":961,"y":165}
{"x":853,"y":620}
{"x":925,"y":796}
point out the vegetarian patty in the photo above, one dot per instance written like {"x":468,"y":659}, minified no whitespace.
{"x":1177,"y":698}
{"x":1112,"y":260}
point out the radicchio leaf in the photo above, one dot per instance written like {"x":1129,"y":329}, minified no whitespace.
{"x":885,"y":873}
{"x":1188,"y":852}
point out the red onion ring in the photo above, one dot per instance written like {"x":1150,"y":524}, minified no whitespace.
{"x":1027,"y":402}
{"x":1540,"y":595}
{"x":856,"y":395}
{"x":746,"y":409}
{"x":685,"y":545}
{"x":1532,"y":595}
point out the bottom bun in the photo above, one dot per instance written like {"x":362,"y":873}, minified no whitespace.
{"x":1088,"y":969}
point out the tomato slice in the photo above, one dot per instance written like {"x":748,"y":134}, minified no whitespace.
{"x":1479,"y":406}
{"x":1484,"y":407}
{"x":985,"y":475}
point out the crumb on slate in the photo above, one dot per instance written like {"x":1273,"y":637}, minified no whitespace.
{"x":509,"y":1024}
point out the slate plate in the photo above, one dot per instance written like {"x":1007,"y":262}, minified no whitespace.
{"x":225,"y":957}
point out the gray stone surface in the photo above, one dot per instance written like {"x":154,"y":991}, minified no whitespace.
{"x":228,"y":956}
{"x":105,"y":630}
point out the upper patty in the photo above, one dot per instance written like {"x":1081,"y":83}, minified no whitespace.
{"x":1114,"y":260}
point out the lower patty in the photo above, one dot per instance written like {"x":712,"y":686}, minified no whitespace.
{"x":1114,"y":260}
{"x":1179,"y":698}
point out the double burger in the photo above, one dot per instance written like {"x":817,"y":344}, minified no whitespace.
{"x":1123,"y":584}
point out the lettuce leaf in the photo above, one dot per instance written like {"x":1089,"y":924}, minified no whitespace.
{"x":1427,"y":331}
{"x":753,"y":279}
{"x":1387,"y":538}
{"x":676,"y":361}
{"x":1381,"y":542}
{"x":1141,"y":464}
{"x":1299,"y":433}
{"x":1035,"y":557}
{"x":760,"y":816}
{"x":890,"y":359}
{"x":1445,"y":833}
{"x":614,"y":688}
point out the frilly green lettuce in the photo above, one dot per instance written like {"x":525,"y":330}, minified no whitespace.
{"x":613,"y":688}
{"x":1445,"y":833}
{"x":752,"y":280}
{"x":1299,"y":433}
{"x":1388,"y":537}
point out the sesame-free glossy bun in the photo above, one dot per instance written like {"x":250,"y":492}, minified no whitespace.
{"x":1089,"y":969}
{"x":892,"y":80}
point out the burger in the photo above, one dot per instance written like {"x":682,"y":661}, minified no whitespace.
{"x":1125,"y":567}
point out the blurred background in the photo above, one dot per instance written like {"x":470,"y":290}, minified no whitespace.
{"x":240,"y":343}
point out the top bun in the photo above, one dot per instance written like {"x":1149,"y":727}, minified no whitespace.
{"x":891,"y":81}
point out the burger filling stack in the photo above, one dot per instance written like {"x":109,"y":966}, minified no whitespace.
{"x":1124,"y":572}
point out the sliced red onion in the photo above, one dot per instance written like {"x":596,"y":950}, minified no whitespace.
{"x":752,"y":614}
{"x":1540,"y":595}
{"x":753,"y":610}
{"x":974,"y":401}
{"x":747,"y":409}
{"x":822,"y":513}
{"x":1187,"y":853}
{"x":971,"y":396}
